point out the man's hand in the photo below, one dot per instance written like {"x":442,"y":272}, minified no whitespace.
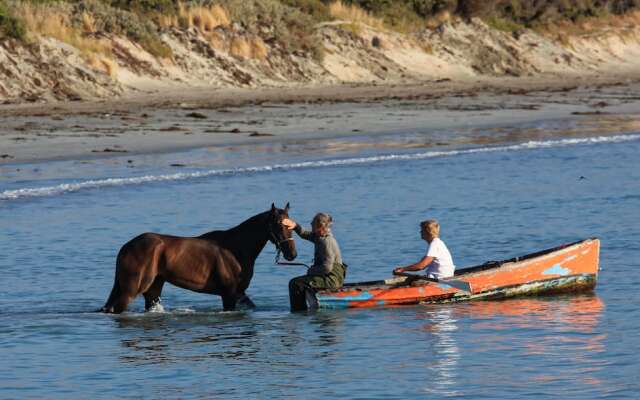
{"x":398,"y":270}
{"x":289,"y":223}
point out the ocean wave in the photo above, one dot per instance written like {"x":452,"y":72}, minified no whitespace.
{"x":111,"y":182}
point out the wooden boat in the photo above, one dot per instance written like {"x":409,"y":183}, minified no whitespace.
{"x":567,"y":268}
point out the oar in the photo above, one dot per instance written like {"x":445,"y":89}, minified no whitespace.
{"x":456,"y":283}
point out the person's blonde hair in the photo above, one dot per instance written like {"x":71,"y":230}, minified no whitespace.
{"x":431,"y":226}
{"x":323,"y":219}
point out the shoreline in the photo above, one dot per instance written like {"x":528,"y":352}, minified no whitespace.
{"x":166,"y":122}
{"x":164,"y":97}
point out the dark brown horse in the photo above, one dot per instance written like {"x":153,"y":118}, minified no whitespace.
{"x":218,"y":262}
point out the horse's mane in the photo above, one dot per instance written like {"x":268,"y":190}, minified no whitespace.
{"x":223,"y":237}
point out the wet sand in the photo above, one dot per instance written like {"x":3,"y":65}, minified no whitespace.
{"x":334,"y":117}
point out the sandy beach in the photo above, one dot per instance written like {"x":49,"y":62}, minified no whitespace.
{"x":166,"y":121}
{"x":462,"y":83}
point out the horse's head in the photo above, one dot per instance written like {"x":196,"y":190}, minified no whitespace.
{"x":279,"y":234}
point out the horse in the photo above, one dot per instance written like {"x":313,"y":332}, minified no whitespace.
{"x":217,"y":262}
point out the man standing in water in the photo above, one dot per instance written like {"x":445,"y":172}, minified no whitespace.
{"x":327,"y":271}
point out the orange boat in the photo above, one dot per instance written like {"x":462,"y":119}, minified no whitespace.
{"x":569,"y":268}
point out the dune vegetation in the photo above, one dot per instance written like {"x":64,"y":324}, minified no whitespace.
{"x":142,"y":20}
{"x":251,"y":42}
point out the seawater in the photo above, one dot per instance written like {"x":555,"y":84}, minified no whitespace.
{"x":60,"y":233}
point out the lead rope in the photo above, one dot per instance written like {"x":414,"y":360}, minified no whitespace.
{"x":278,"y":262}
{"x":279,"y":251}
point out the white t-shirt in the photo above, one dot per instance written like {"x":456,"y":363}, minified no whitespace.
{"x":442,"y":264}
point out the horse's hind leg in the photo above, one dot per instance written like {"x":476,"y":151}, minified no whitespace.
{"x":136,"y":272}
{"x":152,"y":295}
{"x":125,"y":290}
{"x":119,"y":298}
{"x":130,"y":287}
{"x":122,"y":302}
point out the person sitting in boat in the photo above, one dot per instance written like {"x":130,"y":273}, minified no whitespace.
{"x":438,"y":260}
{"x":327,"y":271}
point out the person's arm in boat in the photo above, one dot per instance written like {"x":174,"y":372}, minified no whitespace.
{"x":419,"y":266}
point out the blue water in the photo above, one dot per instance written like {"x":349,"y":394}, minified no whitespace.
{"x":60,"y":233}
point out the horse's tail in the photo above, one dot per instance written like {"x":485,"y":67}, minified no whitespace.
{"x":116,"y":291}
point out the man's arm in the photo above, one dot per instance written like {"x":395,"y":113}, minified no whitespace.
{"x":306,"y":235}
{"x":420,"y":265}
{"x":293,"y":225}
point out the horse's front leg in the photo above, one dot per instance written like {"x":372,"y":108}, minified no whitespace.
{"x":229,"y":301}
{"x":245,"y":302}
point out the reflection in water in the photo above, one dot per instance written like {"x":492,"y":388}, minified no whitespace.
{"x":565,"y":331}
{"x":572,"y":313}
{"x":154,"y":338}
{"x":294,"y":351}
{"x":567,"y":334}
{"x":171,"y":337}
{"x":442,"y":371}
{"x":326,"y":332}
{"x":319,"y":330}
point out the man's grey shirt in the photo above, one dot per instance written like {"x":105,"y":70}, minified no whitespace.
{"x":326,"y":253}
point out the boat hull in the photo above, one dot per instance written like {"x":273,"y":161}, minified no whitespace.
{"x":568,"y":268}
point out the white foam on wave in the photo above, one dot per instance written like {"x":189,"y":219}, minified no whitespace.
{"x":110,"y":182}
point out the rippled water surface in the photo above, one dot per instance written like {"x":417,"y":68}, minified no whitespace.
{"x":59,"y":235}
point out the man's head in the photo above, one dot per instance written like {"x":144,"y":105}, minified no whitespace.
{"x":429,"y":229}
{"x":321,"y":224}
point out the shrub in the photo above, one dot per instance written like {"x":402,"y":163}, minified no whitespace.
{"x":475,"y":8}
{"x":248,"y":48}
{"x":10,"y":26}
{"x":502,"y":24}
{"x":205,"y":18}
{"x":355,"y":14}
{"x":278,"y":23}
{"x":104,"y":64}
{"x":429,"y":8}
{"x":120,"y":21}
{"x":396,"y":14}
{"x":145,"y":6}
{"x":240,"y":48}
{"x":259,"y":49}
{"x":524,"y":12}
{"x":51,"y":19}
{"x":315,"y":8}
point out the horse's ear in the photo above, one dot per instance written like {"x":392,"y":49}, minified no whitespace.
{"x":286,"y":208}
{"x":273,"y":207}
